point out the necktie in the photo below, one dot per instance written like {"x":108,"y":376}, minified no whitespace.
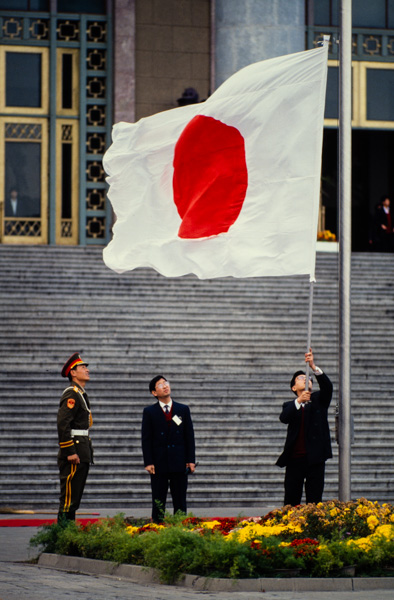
{"x":167,"y":410}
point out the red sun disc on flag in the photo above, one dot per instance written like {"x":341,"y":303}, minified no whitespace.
{"x":210,"y":177}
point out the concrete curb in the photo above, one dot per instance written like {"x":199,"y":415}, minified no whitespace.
{"x":138,"y":574}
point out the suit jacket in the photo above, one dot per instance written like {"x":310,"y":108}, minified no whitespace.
{"x":74,"y":413}
{"x":382,"y":219}
{"x":316,"y":428}
{"x":165,"y":444}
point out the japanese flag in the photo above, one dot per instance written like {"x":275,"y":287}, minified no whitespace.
{"x":226,"y":187}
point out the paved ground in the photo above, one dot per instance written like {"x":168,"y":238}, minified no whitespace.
{"x":27,"y":582}
{"x":20,"y":580}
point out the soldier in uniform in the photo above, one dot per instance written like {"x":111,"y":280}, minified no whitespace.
{"x":73,"y":422}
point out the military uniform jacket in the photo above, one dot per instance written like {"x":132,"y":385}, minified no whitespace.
{"x":316,"y":428}
{"x":74,"y":413}
{"x":168,"y":445}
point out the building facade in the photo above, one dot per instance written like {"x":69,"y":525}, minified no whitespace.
{"x":69,"y":69}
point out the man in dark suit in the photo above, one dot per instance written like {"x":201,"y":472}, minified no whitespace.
{"x":168,"y":448}
{"x":308,"y":443}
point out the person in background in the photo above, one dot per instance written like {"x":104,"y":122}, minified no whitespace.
{"x":385,"y":227}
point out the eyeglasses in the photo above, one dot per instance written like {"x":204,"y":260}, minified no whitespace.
{"x":302,"y":378}
{"x":161,"y":385}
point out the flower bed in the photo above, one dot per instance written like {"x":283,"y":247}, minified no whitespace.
{"x":316,"y":540}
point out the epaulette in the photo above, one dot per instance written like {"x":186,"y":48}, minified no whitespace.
{"x":70,"y":387}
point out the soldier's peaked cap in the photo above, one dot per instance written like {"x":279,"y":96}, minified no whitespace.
{"x":71,"y":363}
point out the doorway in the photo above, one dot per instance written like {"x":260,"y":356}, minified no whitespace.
{"x":372,"y":178}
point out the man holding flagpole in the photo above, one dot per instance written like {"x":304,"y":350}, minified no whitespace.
{"x":308,"y":443}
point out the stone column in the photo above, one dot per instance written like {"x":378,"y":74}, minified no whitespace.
{"x":124,"y":61}
{"x":253,"y":30}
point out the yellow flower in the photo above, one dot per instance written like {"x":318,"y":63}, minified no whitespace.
{"x":362,"y":510}
{"x":131,"y":529}
{"x":153,"y":527}
{"x":363,"y":543}
{"x":372,"y":522}
{"x":385,"y":530}
{"x":250,"y":531}
{"x":294,"y":527}
{"x":322,"y":546}
{"x":253,"y":530}
{"x":334,"y":512}
{"x":209,"y":524}
{"x":270,"y":522}
{"x":326,"y":235}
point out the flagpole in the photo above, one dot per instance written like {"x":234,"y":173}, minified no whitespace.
{"x":344,"y":197}
{"x":326,"y":40}
{"x":309,"y":338}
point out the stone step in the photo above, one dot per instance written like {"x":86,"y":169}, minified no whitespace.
{"x":228,"y":340}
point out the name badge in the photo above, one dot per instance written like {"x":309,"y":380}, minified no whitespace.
{"x":177,"y":420}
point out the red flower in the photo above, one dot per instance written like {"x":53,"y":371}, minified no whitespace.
{"x":255,"y":545}
{"x":192,"y":521}
{"x":305,"y":541}
{"x":305,"y":548}
{"x":226,"y":524}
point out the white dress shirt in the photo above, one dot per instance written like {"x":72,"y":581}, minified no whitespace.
{"x":163,"y":405}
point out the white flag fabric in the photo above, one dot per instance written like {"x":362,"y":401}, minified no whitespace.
{"x":227,"y":187}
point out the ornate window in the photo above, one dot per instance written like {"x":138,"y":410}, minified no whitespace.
{"x":54,"y":69}
{"x":24,"y":193}
{"x":24,"y":85}
{"x":372,"y":85}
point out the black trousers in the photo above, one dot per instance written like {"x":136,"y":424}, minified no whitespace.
{"x":299,"y":472}
{"x":72,"y":484}
{"x":159,"y":484}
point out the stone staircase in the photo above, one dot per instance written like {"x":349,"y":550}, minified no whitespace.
{"x":228,"y":346}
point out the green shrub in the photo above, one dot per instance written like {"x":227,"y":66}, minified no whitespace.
{"x":239,"y":548}
{"x":171,"y":552}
